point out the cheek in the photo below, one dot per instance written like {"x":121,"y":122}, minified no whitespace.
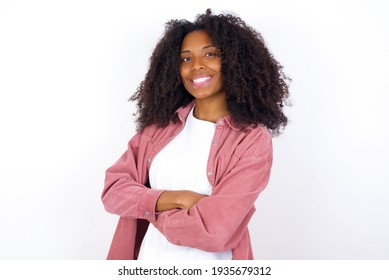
{"x":182,"y":76}
{"x":182,"y":72}
{"x":184,"y":69}
{"x":217,"y":66}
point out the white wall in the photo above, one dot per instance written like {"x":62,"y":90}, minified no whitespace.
{"x":67,"y":69}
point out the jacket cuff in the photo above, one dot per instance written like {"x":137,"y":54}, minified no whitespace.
{"x":147,"y":203}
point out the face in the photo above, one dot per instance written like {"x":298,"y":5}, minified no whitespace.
{"x":200,"y":68}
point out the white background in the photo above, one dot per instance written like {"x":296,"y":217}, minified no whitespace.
{"x":67,"y":69}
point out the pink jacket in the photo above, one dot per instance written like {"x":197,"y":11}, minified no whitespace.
{"x":239,"y":166}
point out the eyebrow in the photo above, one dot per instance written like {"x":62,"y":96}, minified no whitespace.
{"x":205,"y":47}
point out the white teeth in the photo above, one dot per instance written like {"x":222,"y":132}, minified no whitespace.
{"x":201,"y":80}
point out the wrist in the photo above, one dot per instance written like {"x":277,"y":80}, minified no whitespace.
{"x":179,"y":199}
{"x":168,"y":200}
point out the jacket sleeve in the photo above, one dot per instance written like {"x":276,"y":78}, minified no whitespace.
{"x":125,"y":192}
{"x":218,"y":222}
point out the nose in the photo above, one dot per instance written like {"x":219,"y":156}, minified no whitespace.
{"x":198,"y":63}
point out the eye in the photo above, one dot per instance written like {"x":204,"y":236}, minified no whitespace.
{"x":185,"y":59}
{"x":211,"y":54}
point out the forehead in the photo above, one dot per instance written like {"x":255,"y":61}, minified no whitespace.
{"x":197,"y":38}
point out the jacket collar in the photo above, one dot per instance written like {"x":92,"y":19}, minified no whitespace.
{"x":183,"y":113}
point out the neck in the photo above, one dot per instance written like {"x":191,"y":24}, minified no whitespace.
{"x":210,"y":110}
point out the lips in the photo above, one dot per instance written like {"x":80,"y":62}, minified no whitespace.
{"x":201,"y":81}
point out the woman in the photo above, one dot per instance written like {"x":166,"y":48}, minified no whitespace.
{"x":186,"y":186}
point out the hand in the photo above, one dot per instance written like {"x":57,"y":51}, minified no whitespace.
{"x":188,"y":199}
{"x":169,"y":200}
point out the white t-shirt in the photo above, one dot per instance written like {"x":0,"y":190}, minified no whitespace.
{"x":181,"y":165}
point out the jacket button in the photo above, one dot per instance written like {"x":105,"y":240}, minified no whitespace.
{"x":147,"y":214}
{"x":209,"y":173}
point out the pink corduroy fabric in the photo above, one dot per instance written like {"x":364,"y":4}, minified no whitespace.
{"x":238,"y":169}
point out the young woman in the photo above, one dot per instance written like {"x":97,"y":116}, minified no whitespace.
{"x":210,"y":102}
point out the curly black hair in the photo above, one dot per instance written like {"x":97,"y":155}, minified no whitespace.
{"x":256,"y":87}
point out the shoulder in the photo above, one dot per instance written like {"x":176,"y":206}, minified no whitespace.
{"x":259,"y":140}
{"x":261,"y":135}
{"x":263,"y":142}
{"x":252,"y":142}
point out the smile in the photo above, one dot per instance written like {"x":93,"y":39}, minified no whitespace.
{"x":201,"y":81}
